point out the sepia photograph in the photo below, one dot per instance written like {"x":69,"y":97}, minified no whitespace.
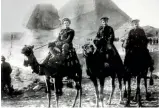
{"x":79,"y":53}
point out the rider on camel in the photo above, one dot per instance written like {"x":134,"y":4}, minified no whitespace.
{"x":137,"y":39}
{"x":61,"y":51}
{"x":104,"y":42}
{"x":61,"y":46}
{"x":105,"y":35}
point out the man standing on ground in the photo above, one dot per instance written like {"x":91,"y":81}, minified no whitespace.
{"x":5,"y":75}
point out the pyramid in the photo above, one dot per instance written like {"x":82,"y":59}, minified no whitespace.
{"x":123,"y":31}
{"x":86,"y":14}
{"x":151,"y":31}
{"x":44,"y":17}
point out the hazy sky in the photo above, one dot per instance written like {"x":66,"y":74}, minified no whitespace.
{"x":16,"y":12}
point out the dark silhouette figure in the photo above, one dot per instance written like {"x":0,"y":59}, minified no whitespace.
{"x":137,"y":60}
{"x":5,"y":76}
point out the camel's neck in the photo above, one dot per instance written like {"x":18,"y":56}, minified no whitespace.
{"x":34,"y":63}
{"x":90,"y":60}
{"x":94,"y":61}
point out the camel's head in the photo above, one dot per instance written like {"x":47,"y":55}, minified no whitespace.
{"x":28,"y":52}
{"x":88,"y":49}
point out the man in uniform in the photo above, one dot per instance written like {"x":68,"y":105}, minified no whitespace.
{"x":137,"y":38}
{"x":105,"y":35}
{"x":5,"y":75}
{"x":104,"y":41}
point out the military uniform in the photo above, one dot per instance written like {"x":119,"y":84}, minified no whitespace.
{"x":104,"y":42}
{"x":137,"y":41}
{"x":136,"y":38}
{"x":104,"y":35}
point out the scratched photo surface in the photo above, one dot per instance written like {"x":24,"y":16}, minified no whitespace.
{"x":79,"y":53}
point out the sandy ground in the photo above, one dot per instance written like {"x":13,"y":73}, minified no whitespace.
{"x":31,"y":98}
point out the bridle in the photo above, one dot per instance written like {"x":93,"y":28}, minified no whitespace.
{"x":85,"y":47}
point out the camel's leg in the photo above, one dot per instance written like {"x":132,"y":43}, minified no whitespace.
{"x":59,"y":85}
{"x":138,"y":92}
{"x":151,"y":82}
{"x":80,"y":95}
{"x":120,"y":87}
{"x":79,"y":90}
{"x":56,"y":92}
{"x":125,"y":91}
{"x":101,"y":90}
{"x":112,"y":93}
{"x":47,"y":82}
{"x":94,"y":80}
{"x":77,"y":93}
{"x":145,"y":83}
{"x":129,"y":92}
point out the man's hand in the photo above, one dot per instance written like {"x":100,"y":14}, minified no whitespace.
{"x":59,"y":43}
{"x":56,"y":50}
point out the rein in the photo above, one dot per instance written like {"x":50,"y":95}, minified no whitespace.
{"x":40,"y":47}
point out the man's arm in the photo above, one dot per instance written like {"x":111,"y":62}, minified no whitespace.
{"x":111,"y":36}
{"x":59,"y":37}
{"x":144,"y":38}
{"x":128,"y":40}
{"x":97,"y":38}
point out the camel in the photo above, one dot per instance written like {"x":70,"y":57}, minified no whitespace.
{"x":137,"y":66}
{"x":100,"y":66}
{"x":138,"y":73}
{"x":54,"y":75}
